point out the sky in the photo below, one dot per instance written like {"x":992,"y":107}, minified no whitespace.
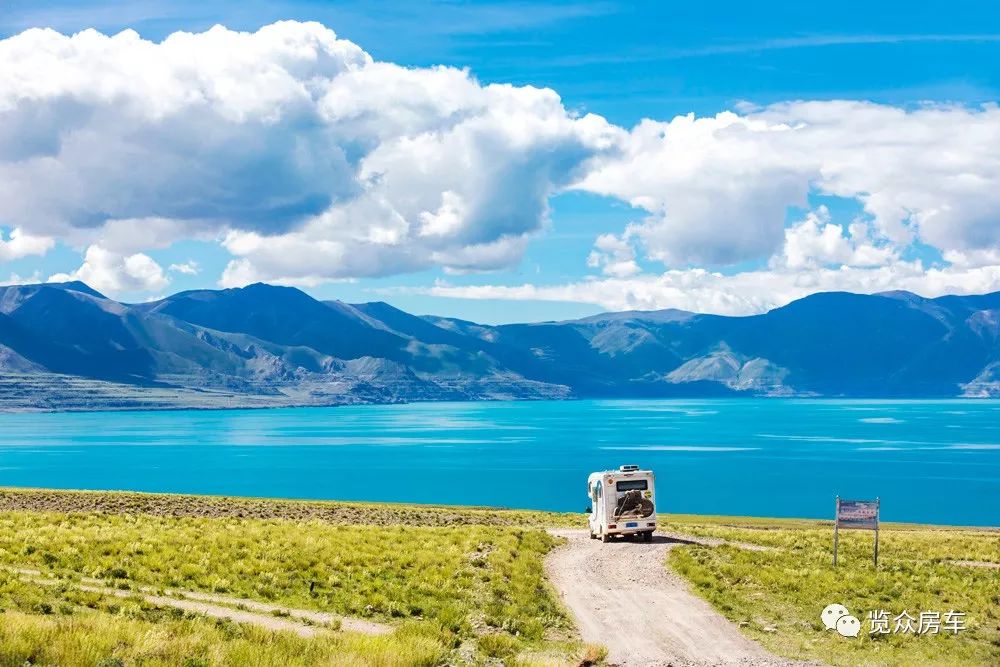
{"x":503,"y":162}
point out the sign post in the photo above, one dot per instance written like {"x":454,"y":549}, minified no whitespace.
{"x":877,"y":503}
{"x":855,"y":515}
{"x":836,"y":531}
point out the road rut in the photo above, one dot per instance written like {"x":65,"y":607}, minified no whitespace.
{"x":623,"y":596}
{"x":303,"y":622}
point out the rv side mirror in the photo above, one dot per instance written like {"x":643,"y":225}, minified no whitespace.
{"x":590,"y":510}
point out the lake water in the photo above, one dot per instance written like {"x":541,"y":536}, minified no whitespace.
{"x":929,"y":461}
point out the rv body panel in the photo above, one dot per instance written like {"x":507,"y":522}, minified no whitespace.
{"x":622,"y":502}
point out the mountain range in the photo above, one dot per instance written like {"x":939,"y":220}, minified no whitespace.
{"x":66,"y":346}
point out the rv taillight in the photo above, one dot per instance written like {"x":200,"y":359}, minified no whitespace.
{"x":612,"y":525}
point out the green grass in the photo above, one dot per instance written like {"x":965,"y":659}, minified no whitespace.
{"x":342,"y":513}
{"x":777,"y":595}
{"x":456,"y":594}
{"x":460,"y":585}
{"x":131,"y":635}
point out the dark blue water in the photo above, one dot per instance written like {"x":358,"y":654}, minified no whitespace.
{"x":929,"y":461}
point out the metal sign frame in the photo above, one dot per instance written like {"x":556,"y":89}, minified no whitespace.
{"x":861,"y":520}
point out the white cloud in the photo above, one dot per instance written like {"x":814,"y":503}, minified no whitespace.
{"x":188,"y":268}
{"x":449,"y":217}
{"x":20,"y":245}
{"x":817,"y":256}
{"x":16,"y":279}
{"x":745,"y":293}
{"x":111,"y":272}
{"x":973,"y":258}
{"x":712,"y":194}
{"x":717,"y":188}
{"x":221,"y":126}
{"x":614,"y":256}
{"x":815,"y":242}
{"x":308,"y":161}
{"x":133,"y":235}
{"x":284,"y":138}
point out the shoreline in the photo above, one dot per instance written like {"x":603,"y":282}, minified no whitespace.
{"x":165,"y":399}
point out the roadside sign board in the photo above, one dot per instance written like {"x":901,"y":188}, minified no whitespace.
{"x":855,"y":515}
{"x":858,"y":514}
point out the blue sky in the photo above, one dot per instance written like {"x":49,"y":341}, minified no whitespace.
{"x":626,"y":61}
{"x":623,"y":61}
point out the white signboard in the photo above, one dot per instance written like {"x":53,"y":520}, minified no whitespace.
{"x":855,"y":515}
{"x":858,"y":514}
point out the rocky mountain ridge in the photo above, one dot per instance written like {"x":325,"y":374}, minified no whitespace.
{"x":264,"y":345}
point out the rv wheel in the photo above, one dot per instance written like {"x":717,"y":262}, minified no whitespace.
{"x":605,"y":538}
{"x":647,"y":536}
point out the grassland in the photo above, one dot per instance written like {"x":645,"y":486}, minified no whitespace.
{"x":776,"y":594}
{"x":220,"y":507}
{"x":467,"y":594}
{"x":459,"y":585}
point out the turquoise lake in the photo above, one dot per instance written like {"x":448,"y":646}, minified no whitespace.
{"x":928,"y":461}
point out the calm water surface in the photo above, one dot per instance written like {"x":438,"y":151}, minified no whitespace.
{"x":929,"y":461}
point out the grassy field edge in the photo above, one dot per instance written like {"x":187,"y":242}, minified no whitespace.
{"x":462,"y":585}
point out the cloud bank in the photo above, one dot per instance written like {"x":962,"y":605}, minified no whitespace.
{"x":744,"y":293}
{"x":308,"y":162}
{"x":816,"y":255}
{"x":716,"y":189}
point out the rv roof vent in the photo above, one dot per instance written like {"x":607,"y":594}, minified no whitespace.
{"x":629,"y":468}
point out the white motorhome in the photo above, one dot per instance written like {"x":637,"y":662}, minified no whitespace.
{"x":622,"y":502}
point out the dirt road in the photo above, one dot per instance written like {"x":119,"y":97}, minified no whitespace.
{"x":303,"y":622}
{"x":622,"y":595}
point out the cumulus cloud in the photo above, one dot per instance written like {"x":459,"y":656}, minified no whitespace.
{"x":973,"y":258}
{"x":115,"y":273}
{"x":284,"y":138}
{"x":308,"y":161}
{"x":188,"y":268}
{"x":815,"y":241}
{"x":614,"y":255}
{"x":717,"y":189}
{"x":745,"y":293}
{"x":220,"y":126}
{"x":816,"y":256}
{"x":131,"y":235}
{"x":17,"y":279}
{"x":20,"y":244}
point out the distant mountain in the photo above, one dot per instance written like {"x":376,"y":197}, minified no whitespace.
{"x":68,"y":346}
{"x":286,"y":316}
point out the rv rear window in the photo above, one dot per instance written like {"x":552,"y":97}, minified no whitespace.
{"x":630,"y":484}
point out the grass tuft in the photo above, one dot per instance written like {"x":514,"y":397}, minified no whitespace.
{"x":776,"y":595}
